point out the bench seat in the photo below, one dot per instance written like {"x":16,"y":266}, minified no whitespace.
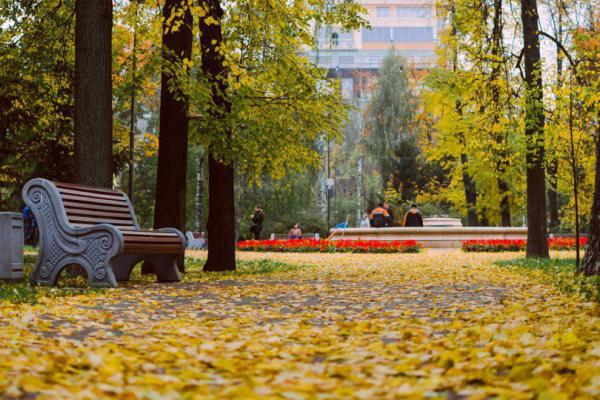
{"x":97,"y":229}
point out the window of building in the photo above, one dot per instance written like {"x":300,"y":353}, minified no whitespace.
{"x":377,"y":34}
{"x":413,"y":34}
{"x":413,"y":12}
{"x":383,"y":12}
{"x":335,"y":39}
{"x":347,"y":88}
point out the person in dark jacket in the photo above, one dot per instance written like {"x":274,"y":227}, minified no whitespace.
{"x":413,"y":217}
{"x":379,"y":216}
{"x":257,"y":220}
{"x":390,"y":218}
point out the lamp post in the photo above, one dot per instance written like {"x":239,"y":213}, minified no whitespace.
{"x":329,"y":183}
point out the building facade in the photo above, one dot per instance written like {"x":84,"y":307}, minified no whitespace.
{"x":410,"y":26}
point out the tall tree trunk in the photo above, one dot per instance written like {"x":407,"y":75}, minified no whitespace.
{"x":221,"y":200}
{"x":552,"y":168}
{"x":501,"y":164}
{"x":93,"y":92}
{"x":199,"y":193}
{"x":537,"y":234}
{"x":132,"y":119}
{"x":470,"y":193}
{"x":591,"y":260}
{"x":171,"y":174}
{"x":468,"y":182}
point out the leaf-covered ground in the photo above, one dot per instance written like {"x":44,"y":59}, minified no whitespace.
{"x":436,"y":325}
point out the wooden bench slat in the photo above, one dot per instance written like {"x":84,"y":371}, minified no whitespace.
{"x":84,"y":206}
{"x":77,"y":219}
{"x":89,"y":200}
{"x":73,"y":212}
{"x":86,"y":195}
{"x":172,"y":248}
{"x":152,"y":240}
{"x":85,"y":188}
{"x":152,"y":233}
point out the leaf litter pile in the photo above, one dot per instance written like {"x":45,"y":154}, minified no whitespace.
{"x":431,"y":325}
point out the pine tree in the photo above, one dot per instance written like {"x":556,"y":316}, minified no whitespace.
{"x":391,"y":139}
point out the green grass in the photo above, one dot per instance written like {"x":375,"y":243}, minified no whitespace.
{"x":560,"y":272}
{"x":25,"y":292}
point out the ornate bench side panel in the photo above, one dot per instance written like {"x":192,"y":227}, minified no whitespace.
{"x":61,"y":244}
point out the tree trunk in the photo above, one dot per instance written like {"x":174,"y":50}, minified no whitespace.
{"x":552,"y":170}
{"x":171,"y":174}
{"x":221,"y":201}
{"x":537,"y":234}
{"x":199,"y":193}
{"x":591,"y":260}
{"x":93,"y":92}
{"x":132,"y":120}
{"x":469,"y":184}
{"x":470,"y":193}
{"x":503,"y":189}
{"x":501,"y":164}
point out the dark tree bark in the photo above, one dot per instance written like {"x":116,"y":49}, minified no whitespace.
{"x":501,"y":164}
{"x":199,"y":193}
{"x":537,"y":234}
{"x":591,"y":260}
{"x":173,"y":139}
{"x":171,"y":174}
{"x":470,"y":193}
{"x":552,"y":168}
{"x":132,"y":117}
{"x":93,"y":92}
{"x":221,"y":202}
{"x":468,"y":182}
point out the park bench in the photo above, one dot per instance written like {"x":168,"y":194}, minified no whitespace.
{"x":97,"y":229}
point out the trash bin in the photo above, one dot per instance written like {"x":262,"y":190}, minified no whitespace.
{"x":11,"y":246}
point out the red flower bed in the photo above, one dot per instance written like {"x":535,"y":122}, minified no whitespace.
{"x":493,"y":246}
{"x":331,"y":246}
{"x":565,"y":243}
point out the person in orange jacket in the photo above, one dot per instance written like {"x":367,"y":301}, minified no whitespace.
{"x":379,"y":216}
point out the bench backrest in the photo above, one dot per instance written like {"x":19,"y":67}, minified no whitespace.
{"x":86,"y":206}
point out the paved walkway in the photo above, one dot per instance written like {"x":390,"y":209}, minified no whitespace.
{"x":437,"y":324}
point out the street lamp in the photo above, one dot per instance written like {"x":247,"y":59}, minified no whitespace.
{"x":329,"y":184}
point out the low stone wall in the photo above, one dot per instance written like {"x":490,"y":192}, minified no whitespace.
{"x":432,"y":237}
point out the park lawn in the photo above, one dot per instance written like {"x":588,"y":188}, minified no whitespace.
{"x":440,"y":324}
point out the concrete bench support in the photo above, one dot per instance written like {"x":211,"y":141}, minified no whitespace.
{"x":11,"y":246}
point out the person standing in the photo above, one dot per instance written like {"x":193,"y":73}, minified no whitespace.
{"x":365,"y":222}
{"x":257,"y":220}
{"x":413,"y":217}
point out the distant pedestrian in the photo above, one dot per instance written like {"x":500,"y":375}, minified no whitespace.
{"x":390,"y":219}
{"x":413,"y":217}
{"x":29,"y":226}
{"x":379,"y":216}
{"x":257,"y":221}
{"x":295,"y":232}
{"x":365,"y":222}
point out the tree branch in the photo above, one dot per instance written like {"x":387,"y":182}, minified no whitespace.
{"x":561,"y":47}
